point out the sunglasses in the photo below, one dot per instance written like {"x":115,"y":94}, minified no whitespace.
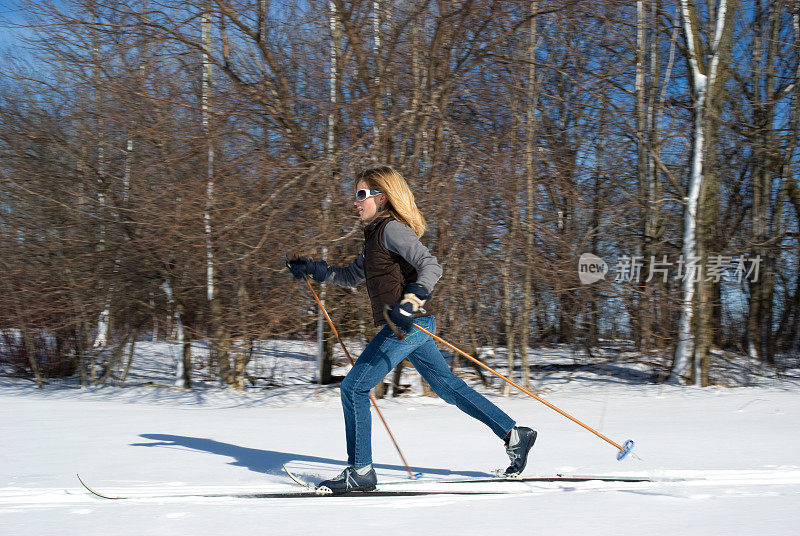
{"x":363,"y":194}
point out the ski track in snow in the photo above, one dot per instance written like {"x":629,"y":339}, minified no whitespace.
{"x":677,"y":484}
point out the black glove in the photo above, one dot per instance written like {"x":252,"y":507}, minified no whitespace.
{"x":303,"y":265}
{"x":403,"y":312}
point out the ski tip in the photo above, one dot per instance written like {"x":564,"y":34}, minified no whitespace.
{"x":625,"y":450}
{"x":416,"y":476}
{"x":92,"y":491}
{"x":298,"y":480}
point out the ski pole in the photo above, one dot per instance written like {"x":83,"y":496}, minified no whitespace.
{"x":352,"y":362}
{"x":622,"y":450}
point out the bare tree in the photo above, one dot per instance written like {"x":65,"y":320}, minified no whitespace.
{"x":704,"y":73}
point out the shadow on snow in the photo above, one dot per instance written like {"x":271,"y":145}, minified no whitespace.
{"x":270,"y":461}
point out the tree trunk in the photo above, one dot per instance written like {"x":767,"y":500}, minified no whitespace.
{"x":531,"y":105}
{"x":508,"y":318}
{"x":104,"y":318}
{"x":766,"y":215}
{"x":693,"y":333}
{"x":646,"y":94}
{"x":219,"y":336}
{"x":183,"y":369}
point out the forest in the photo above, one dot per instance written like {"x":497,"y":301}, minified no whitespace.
{"x":592,"y":173}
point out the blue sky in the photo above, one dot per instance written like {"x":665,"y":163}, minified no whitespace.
{"x":11,"y":15}
{"x":8,"y":14}
{"x":12,"y":22}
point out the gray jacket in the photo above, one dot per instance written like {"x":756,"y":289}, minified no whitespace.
{"x":398,"y":238}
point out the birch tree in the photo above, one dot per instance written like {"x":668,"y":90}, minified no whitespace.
{"x":531,"y":104}
{"x":104,"y":319}
{"x":704,"y":68}
{"x":219,"y":343}
{"x":324,"y":341}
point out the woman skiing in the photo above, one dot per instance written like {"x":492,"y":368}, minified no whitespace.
{"x":401,"y":273}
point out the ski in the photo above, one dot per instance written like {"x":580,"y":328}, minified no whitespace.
{"x":566,"y":477}
{"x":549,"y":478}
{"x":385,"y":488}
{"x":101,"y":495}
{"x":181,"y":495}
{"x":308,"y":492}
{"x":379,"y":491}
{"x":297,"y":480}
{"x":557,"y":477}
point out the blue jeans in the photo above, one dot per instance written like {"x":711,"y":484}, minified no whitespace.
{"x":380,"y":356}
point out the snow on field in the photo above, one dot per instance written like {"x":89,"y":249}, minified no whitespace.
{"x":728,"y":459}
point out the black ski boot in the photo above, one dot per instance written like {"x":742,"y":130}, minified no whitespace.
{"x":351,"y":479}
{"x":520,"y":441}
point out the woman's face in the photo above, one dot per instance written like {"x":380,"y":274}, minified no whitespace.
{"x":368,"y":208}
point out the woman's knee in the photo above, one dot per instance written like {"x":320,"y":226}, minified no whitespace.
{"x":447,"y":395}
{"x":352,"y":386}
{"x":449,"y":387}
{"x":346,"y":389}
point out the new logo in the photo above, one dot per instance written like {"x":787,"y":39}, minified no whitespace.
{"x":591,"y":268}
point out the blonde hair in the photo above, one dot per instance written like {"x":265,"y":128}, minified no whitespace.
{"x":401,"y":205}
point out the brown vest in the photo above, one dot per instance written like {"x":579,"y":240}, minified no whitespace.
{"x":386,"y":272}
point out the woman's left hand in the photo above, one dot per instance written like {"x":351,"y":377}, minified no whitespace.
{"x":404,"y":311}
{"x":402,"y":315}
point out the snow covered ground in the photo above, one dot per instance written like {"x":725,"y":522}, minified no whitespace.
{"x":738,"y":448}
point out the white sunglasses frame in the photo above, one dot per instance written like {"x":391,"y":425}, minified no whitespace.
{"x":370,"y":193}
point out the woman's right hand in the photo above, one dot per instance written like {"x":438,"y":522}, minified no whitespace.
{"x":302,"y":266}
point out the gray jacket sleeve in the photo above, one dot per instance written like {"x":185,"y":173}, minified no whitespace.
{"x":400,"y":239}
{"x":347,"y":276}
